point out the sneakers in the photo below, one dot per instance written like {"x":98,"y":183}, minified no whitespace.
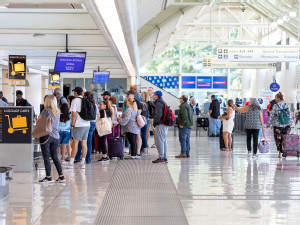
{"x":138,"y":156}
{"x":181,"y":156}
{"x":103,"y":159}
{"x":82,"y":165}
{"x":61,"y":179}
{"x":69,"y":165}
{"x":159,"y":160}
{"x":153,"y":146}
{"x":46,"y":180}
{"x":254,"y":156}
{"x":249,"y":154}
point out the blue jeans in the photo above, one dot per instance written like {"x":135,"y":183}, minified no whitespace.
{"x":214,"y":126}
{"x":144,"y":135}
{"x":184,"y":138}
{"x":89,"y":144}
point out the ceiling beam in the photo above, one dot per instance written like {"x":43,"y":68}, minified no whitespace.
{"x":42,"y":11}
{"x":50,"y":31}
{"x":42,"y":1}
{"x":228,"y":24}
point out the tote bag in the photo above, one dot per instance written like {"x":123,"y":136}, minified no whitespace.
{"x":104,"y":125}
{"x":42,"y":129}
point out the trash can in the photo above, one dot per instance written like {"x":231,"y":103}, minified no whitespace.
{"x":5,"y":176}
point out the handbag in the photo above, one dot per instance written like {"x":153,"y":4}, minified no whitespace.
{"x":141,"y":121}
{"x":263,"y":146}
{"x":104,"y":125}
{"x":43,"y":128}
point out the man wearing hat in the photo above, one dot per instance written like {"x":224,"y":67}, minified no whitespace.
{"x":161,"y":130}
{"x":80,"y":128}
{"x":106,"y":95}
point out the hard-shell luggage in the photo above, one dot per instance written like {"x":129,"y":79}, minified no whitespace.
{"x":115,"y":147}
{"x":291,"y":145}
{"x":222,"y":143}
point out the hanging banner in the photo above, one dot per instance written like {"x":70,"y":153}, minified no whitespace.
{"x":211,"y":62}
{"x":188,"y":82}
{"x":204,"y":82}
{"x":17,"y":69}
{"x":220,"y":82}
{"x":54,"y":79}
{"x":258,"y":53}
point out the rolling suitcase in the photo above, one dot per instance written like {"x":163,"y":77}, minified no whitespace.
{"x":222,"y":143}
{"x":291,"y":145}
{"x":116,"y":146}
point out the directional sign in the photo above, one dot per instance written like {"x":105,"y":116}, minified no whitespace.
{"x":258,"y":53}
{"x":260,"y":100}
{"x":211,"y":62}
{"x":274,"y":87}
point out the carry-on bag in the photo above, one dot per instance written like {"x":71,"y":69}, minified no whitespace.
{"x":116,"y":146}
{"x":203,"y":122}
{"x":221,"y":140}
{"x":263,"y":146}
{"x":291,"y":145}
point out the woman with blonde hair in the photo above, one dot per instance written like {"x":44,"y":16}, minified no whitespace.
{"x":228,"y":124}
{"x":129,"y":125}
{"x":51,"y":141}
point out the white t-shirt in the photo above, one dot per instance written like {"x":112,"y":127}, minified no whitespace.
{"x":76,"y":107}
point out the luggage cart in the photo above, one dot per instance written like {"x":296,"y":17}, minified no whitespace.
{"x":18,"y":123}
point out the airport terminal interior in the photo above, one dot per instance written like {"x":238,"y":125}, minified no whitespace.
{"x":203,"y":52}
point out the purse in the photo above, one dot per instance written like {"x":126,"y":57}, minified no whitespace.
{"x":141,"y":121}
{"x":43,"y":128}
{"x":104,"y":125}
{"x":263,"y":146}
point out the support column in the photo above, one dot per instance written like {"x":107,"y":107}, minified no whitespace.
{"x":290,"y":84}
{"x":261,"y":81}
{"x":246,"y":82}
{"x":34,"y":91}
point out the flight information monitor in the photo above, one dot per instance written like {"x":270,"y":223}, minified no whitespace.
{"x":101,"y":77}
{"x":70,"y":62}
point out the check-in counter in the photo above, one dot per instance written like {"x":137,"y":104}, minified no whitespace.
{"x":16,"y":146}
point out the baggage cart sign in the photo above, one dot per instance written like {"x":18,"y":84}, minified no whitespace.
{"x":15,"y":125}
{"x":17,"y":69}
{"x":54,"y":79}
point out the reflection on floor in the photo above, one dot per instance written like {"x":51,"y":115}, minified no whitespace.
{"x":213,"y":187}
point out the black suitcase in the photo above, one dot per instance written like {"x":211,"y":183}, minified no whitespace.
{"x":222,"y":144}
{"x":115,"y":147}
{"x":203,"y":122}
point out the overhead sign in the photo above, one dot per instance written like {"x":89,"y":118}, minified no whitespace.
{"x":166,"y":82}
{"x":204,"y":82}
{"x":220,"y":82}
{"x":16,"y":124}
{"x":54,"y":79}
{"x":17,"y":69}
{"x":188,"y":82}
{"x":211,"y":62}
{"x":274,"y":87}
{"x":258,"y":53}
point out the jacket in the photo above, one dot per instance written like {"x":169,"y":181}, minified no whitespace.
{"x":185,"y":115}
{"x":128,"y":121}
{"x":159,"y":112}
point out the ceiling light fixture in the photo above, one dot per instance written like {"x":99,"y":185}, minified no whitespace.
{"x":285,"y":18}
{"x":292,"y":14}
{"x":280,"y":21}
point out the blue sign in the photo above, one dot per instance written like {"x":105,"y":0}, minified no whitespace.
{"x":239,"y":101}
{"x":188,"y":82}
{"x":168,"y":82}
{"x":260,"y":100}
{"x":220,"y":82}
{"x":204,"y":82}
{"x":220,"y":100}
{"x":274,"y":87}
{"x":71,"y":62}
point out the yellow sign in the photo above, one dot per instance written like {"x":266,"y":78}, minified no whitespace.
{"x":17,"y":70}
{"x":54,"y":79}
{"x":18,"y":123}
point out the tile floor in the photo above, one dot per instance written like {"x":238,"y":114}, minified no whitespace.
{"x":213,"y":187}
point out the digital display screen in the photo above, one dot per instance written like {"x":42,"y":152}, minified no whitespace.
{"x":188,"y":82}
{"x":70,"y":62}
{"x":220,"y":82}
{"x":101,"y":77}
{"x":204,"y":82}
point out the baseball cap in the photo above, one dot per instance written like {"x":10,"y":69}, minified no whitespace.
{"x":106,"y":93}
{"x":78,"y":89}
{"x":158,"y":93}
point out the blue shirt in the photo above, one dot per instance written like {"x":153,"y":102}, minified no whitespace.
{"x":65,"y":126}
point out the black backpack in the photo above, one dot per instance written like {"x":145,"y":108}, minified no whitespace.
{"x":88,"y":110}
{"x":145,"y":111}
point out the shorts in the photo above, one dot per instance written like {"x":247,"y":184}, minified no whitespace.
{"x":80,"y":133}
{"x":64,"y":137}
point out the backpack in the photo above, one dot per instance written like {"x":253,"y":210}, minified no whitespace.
{"x":284,"y":117}
{"x":88,"y":110}
{"x":145,"y":111}
{"x":151,"y":109}
{"x":168,"y":116}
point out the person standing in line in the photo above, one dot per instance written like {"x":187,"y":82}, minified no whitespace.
{"x":129,"y":125}
{"x":151,"y":107}
{"x":51,"y":141}
{"x":115,"y":129}
{"x":2,"y":97}
{"x":254,"y":122}
{"x":280,"y":127}
{"x":64,"y":130}
{"x":106,"y":95}
{"x":196,"y":109}
{"x":185,"y":124}
{"x":20,"y":100}
{"x":137,"y":95}
{"x":228,"y":124}
{"x":80,"y":128}
{"x":161,"y":130}
{"x":58,"y":93}
{"x":105,"y":107}
{"x":214,"y":113}
{"x":145,"y":113}
{"x":88,"y":159}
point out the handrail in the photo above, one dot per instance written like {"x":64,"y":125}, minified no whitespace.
{"x":159,"y":87}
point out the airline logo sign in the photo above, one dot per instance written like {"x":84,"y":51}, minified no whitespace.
{"x":211,"y":62}
{"x":204,"y":82}
{"x":258,"y":53}
{"x":188,"y":82}
{"x":220,"y":82}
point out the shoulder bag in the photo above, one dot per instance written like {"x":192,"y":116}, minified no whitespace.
{"x":43,"y":128}
{"x":104,"y":125}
